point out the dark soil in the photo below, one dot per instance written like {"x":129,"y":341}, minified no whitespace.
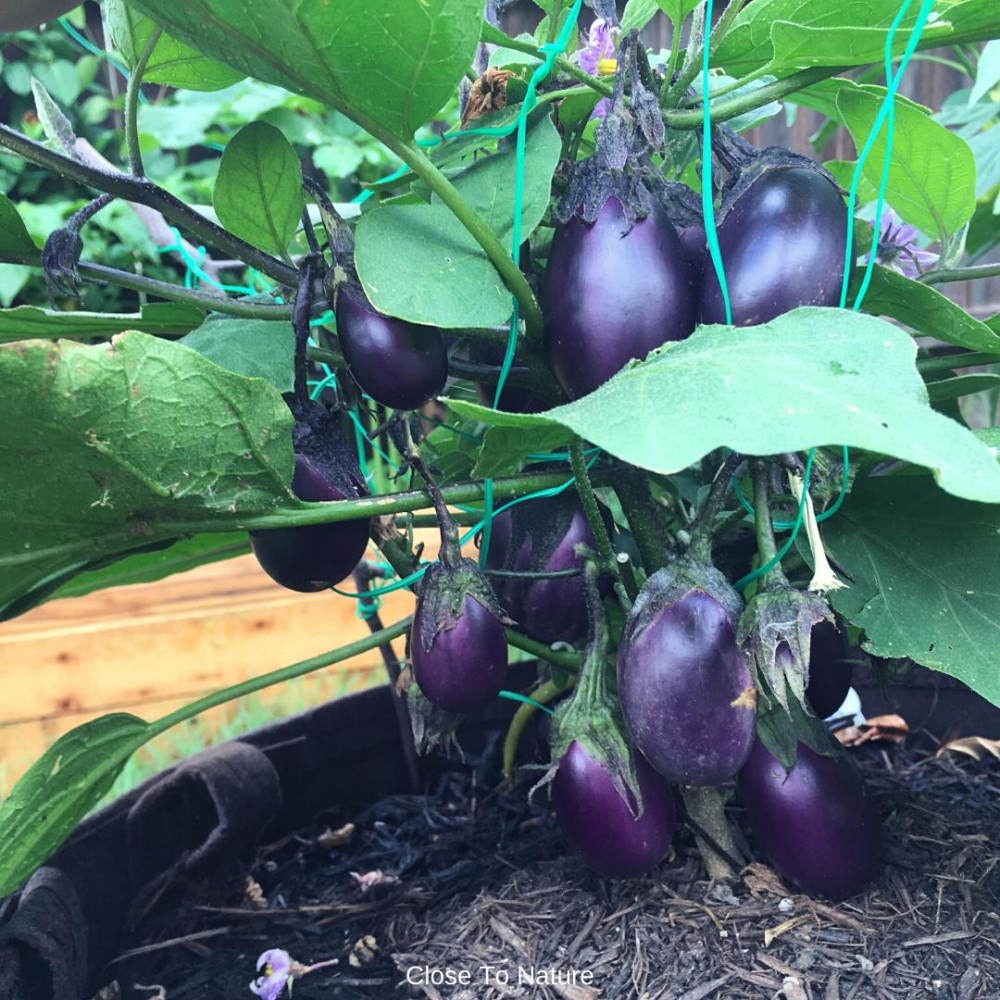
{"x":475,"y":878}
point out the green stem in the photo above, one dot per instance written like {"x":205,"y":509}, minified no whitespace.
{"x":729,"y":87}
{"x":560,"y":658}
{"x":694,"y":65}
{"x":766,"y":547}
{"x":960,"y":274}
{"x":132,"y":104}
{"x":496,"y":37}
{"x":645,"y":518}
{"x":300,"y":669}
{"x":543,"y":694}
{"x":585,"y":490}
{"x":145,"y":192}
{"x":675,"y":54}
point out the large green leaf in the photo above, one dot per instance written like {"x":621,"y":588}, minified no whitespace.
{"x":258,"y":193}
{"x":394,"y":62}
{"x":812,"y":32}
{"x":811,"y":377}
{"x":16,"y":246}
{"x":924,"y":309}
{"x":164,"y":561}
{"x":258,"y":348}
{"x":121,"y":445}
{"x":30,"y":322}
{"x":935,"y":193}
{"x":420,"y":263}
{"x":925,"y":571}
{"x":59,"y":789}
{"x":171,"y":62}
{"x":974,"y":20}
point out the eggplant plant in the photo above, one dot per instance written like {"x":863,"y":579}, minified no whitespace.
{"x":671,"y":400}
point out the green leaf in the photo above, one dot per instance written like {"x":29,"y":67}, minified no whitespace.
{"x":15,"y":243}
{"x":960,"y":385}
{"x":59,"y":789}
{"x":164,"y":561}
{"x":258,"y":193}
{"x":934,"y":193}
{"x":924,"y":309}
{"x":975,"y":20}
{"x":56,"y":125}
{"x":122,"y":445}
{"x":926,"y":576}
{"x":637,"y":14}
{"x":811,"y":32}
{"x":812,"y":377}
{"x":987,"y":72}
{"x":506,"y":449}
{"x":171,"y":62}
{"x":843,"y":174}
{"x":420,"y":263}
{"x":394,"y":62}
{"x":258,"y":348}
{"x":30,"y":322}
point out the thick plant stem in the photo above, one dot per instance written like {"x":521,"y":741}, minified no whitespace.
{"x":948,"y":362}
{"x":766,"y":546}
{"x":145,"y":192}
{"x":132,"y":104}
{"x":585,"y":490}
{"x":960,"y":274}
{"x":645,"y":518}
{"x":703,"y":529}
{"x":713,"y":834}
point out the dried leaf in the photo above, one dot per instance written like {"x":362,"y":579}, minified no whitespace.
{"x":891,"y":728}
{"x":974,"y":746}
{"x":363,"y":952}
{"x":773,"y":933}
{"x":329,"y":839}
{"x":760,"y":879}
{"x":488,"y":93}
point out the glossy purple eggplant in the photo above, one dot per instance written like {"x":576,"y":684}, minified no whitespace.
{"x":463,"y":668}
{"x":816,"y":822}
{"x":830,"y":669}
{"x":314,"y":557}
{"x":782,"y":244}
{"x":686,"y":691}
{"x":611,"y":295}
{"x":398,"y":364}
{"x":598,"y":823}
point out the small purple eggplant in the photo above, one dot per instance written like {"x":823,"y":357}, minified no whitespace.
{"x":612,"y":294}
{"x":782,"y":230}
{"x":686,"y":691}
{"x":398,"y":364}
{"x":541,"y":536}
{"x":815,"y":822}
{"x":457,"y":643}
{"x":316,"y":557}
{"x":600,"y":825}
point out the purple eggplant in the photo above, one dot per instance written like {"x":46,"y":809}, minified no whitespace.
{"x":815,"y":822}
{"x":458,"y":644}
{"x":782,"y":239}
{"x":599,"y":824}
{"x":686,"y":691}
{"x":830,"y":669}
{"x":540,"y":536}
{"x":612,"y":294}
{"x":318,"y":556}
{"x":398,"y":364}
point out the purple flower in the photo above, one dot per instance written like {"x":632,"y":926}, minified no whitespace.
{"x":598,"y":58}
{"x":277,"y":973}
{"x":899,"y":249}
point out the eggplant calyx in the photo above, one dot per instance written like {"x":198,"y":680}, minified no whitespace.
{"x":433,"y":727}
{"x":775,"y":634}
{"x":676,"y":579}
{"x":443,"y":592}
{"x":317,"y":436}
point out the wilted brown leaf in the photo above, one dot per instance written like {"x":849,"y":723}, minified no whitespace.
{"x":974,"y":746}
{"x":488,"y":93}
{"x":892,"y":728}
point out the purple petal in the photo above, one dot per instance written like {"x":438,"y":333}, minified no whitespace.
{"x":601,"y":109}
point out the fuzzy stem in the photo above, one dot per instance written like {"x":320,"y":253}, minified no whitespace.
{"x":132,"y":92}
{"x":960,"y":274}
{"x":762,"y":520}
{"x":145,"y":192}
{"x":971,"y":359}
{"x":706,"y":809}
{"x":451,"y":550}
{"x":563,"y":659}
{"x":543,"y":694}
{"x":300,"y":324}
{"x":645,"y":518}
{"x":703,"y":529}
{"x":585,"y":490}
